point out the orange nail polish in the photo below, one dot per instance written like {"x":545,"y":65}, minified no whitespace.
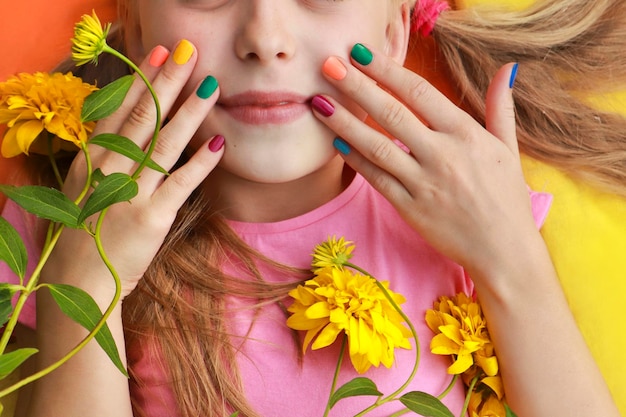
{"x":159,"y":56}
{"x":334,"y":69}
{"x":183,"y":52}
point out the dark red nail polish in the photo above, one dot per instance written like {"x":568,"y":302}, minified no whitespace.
{"x":322,"y":106}
{"x":216,"y":143}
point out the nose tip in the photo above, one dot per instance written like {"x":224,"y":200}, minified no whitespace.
{"x":265,"y":38}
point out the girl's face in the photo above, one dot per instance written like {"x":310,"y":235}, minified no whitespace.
{"x":267,"y":56}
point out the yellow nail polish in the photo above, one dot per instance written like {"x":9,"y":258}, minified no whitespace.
{"x":183,"y":52}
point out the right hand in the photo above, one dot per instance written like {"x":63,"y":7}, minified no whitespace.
{"x":133,"y":232}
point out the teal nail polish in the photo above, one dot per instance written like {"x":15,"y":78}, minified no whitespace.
{"x":341,"y":146}
{"x":513,"y":75}
{"x":361,"y":54}
{"x":207,"y":88}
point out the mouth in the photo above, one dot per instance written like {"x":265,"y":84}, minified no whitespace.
{"x":258,"y":107}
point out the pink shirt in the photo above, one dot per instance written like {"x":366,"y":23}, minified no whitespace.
{"x":275,"y":383}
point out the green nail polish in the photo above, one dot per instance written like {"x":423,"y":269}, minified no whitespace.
{"x":361,"y":54}
{"x":208,"y":87}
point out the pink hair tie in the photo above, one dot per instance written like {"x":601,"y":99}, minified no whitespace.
{"x":425,"y":15}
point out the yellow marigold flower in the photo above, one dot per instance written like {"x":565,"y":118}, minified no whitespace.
{"x":461,"y":331}
{"x":338,"y":300}
{"x":332,"y":252}
{"x":89,"y":39}
{"x":32,"y":103}
{"x":485,"y":404}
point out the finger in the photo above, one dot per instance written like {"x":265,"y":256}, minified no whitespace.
{"x":385,"y":183}
{"x":379,"y":159}
{"x":150,"y":68}
{"x":419,"y":95}
{"x":175,"y":136}
{"x":385,"y":109}
{"x":167,"y":85}
{"x":500,"y":108}
{"x":175,"y":190}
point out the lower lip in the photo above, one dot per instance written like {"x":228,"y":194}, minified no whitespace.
{"x":258,"y":115}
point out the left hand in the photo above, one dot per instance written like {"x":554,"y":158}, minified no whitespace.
{"x":461,"y":186}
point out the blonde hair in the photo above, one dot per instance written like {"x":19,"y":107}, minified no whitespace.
{"x":566,"y":48}
{"x":568,"y":51}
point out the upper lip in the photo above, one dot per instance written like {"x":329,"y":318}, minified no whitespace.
{"x":263,"y":99}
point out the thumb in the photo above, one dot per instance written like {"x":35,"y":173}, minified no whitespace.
{"x":500,"y":108}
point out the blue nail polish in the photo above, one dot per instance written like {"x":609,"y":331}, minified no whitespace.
{"x":341,"y":146}
{"x":513,"y":75}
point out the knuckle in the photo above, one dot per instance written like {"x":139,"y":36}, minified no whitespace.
{"x":392,"y":114}
{"x":164,"y":147}
{"x":143,"y":114}
{"x":418,"y":89}
{"x":381,"y":150}
{"x":382,"y":183}
{"x":183,"y":180}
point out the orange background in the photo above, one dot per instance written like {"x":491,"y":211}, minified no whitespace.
{"x":35,"y":36}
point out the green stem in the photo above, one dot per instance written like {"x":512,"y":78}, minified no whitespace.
{"x":400,"y":413}
{"x":469,"y":393}
{"x":26,"y":291}
{"x":52,"y":237}
{"x":157,"y":126}
{"x":450,"y":386}
{"x":336,"y":376}
{"x":87,"y":186}
{"x":392,"y":396}
{"x":93,"y":332}
{"x":53,"y":161}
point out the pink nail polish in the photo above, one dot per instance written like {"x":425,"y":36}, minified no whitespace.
{"x":158,"y":56}
{"x":322,"y":106}
{"x":216,"y":143}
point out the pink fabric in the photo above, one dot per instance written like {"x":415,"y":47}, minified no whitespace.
{"x":274,"y":381}
{"x":425,"y":15}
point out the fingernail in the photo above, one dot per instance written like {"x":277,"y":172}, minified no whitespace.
{"x":513,"y":75}
{"x":159,"y":56}
{"x":216,"y":143}
{"x":322,"y":106}
{"x":207,"y":87}
{"x":341,"y":146}
{"x":183,"y":52}
{"x":361,"y":54}
{"x":334,"y":69}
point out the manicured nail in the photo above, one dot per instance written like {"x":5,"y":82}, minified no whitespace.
{"x":341,"y":146}
{"x":216,"y":143}
{"x":159,"y":56}
{"x":361,"y":54}
{"x":207,"y":87}
{"x":513,"y":75}
{"x":183,"y":52}
{"x":334,"y":69}
{"x":322,"y":106}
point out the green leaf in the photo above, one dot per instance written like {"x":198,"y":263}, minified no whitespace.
{"x":103,"y":102}
{"x":97,"y":177}
{"x":9,"y":362}
{"x":357,"y":387}
{"x":44,"y":202}
{"x":509,"y":412}
{"x":80,"y":307}
{"x":12,"y":249}
{"x":425,"y":404}
{"x":126,"y":147}
{"x":113,"y":189}
{"x":6,"y":307}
